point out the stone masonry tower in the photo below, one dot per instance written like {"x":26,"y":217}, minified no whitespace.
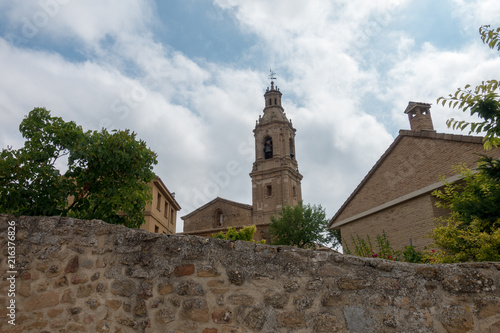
{"x":419,"y":115}
{"x":275,"y":174}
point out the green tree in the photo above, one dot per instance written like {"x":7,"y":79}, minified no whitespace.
{"x":471,"y":232}
{"x":245,"y":234}
{"x":482,"y":101}
{"x":304,"y":226}
{"x":107,"y":174}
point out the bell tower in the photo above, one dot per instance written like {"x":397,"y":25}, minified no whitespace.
{"x":275,"y":174}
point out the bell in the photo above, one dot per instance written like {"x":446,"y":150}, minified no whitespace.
{"x":267,"y":149}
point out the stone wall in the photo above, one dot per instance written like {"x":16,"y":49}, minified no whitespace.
{"x":89,"y":276}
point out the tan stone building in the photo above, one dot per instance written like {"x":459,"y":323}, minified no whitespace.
{"x":276,"y":180}
{"x":161,"y":213}
{"x":395,"y":195}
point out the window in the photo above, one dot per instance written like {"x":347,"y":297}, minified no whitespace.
{"x":294,"y":192}
{"x":172,"y":215}
{"x":219,"y":218}
{"x":269,"y":189}
{"x":157,"y":229}
{"x":292,"y":148}
{"x":158,"y":202}
{"x":165,"y":211}
{"x":275,"y":101}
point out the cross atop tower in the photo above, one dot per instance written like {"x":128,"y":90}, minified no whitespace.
{"x":271,"y":75}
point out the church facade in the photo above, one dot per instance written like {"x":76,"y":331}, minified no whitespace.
{"x":276,"y":180}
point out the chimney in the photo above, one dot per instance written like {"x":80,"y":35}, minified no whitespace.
{"x":419,"y":115}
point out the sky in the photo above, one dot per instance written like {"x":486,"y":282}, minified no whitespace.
{"x":188,"y":76}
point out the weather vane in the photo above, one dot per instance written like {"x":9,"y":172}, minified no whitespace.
{"x":272,"y":75}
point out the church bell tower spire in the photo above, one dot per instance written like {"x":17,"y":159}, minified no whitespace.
{"x":275,"y":174}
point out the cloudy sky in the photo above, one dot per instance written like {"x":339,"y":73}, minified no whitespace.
{"x":189,"y":76}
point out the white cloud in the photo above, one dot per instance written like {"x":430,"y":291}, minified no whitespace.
{"x":430,"y":73}
{"x":476,"y":12}
{"x":347,"y":70}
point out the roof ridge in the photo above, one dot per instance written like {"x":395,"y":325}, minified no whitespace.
{"x":247,"y":206}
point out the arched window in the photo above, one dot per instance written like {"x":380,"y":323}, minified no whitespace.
{"x":218,"y":218}
{"x":292,"y":148}
{"x":268,"y":147}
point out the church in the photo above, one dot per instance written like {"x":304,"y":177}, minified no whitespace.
{"x":276,"y":180}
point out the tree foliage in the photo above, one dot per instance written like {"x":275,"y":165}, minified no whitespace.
{"x":482,"y":101}
{"x":472,"y":230}
{"x":304,"y":226}
{"x":245,"y":234}
{"x":107,"y":174}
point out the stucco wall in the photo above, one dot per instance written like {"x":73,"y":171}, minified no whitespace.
{"x":89,"y":276}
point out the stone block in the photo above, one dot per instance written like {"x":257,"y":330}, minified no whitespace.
{"x":353,"y":283}
{"x":467,"y":282}
{"x":326,"y":323}
{"x":207,"y":272}
{"x":241,"y":299}
{"x":196,"y":309}
{"x":255,"y":319}
{"x":72,"y":265}
{"x":457,"y":319}
{"x":189,"y":288}
{"x":222,"y":316}
{"x":235,"y":277}
{"x":113,"y":304}
{"x":79,"y":278}
{"x":84,"y":291}
{"x":141,"y":310}
{"x":165,"y":288}
{"x":276,"y":300}
{"x":165,"y":316}
{"x":291,"y":320}
{"x":358,"y":319}
{"x":184,"y":270}
{"x":210,"y":330}
{"x":61,"y":282}
{"x":41,"y":301}
{"x":123,"y":287}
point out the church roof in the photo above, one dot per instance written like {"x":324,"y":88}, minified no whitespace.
{"x":234,"y":203}
{"x":437,"y":137}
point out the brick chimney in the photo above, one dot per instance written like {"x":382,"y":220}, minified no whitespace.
{"x":419,"y":115}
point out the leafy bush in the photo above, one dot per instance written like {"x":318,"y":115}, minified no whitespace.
{"x":472,"y":230}
{"x":245,"y":234}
